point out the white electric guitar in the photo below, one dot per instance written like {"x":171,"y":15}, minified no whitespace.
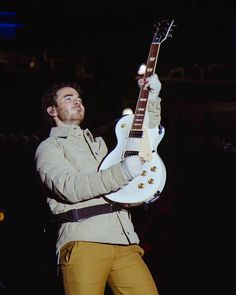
{"x":135,"y":138}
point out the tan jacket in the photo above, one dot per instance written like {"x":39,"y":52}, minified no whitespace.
{"x":67,"y":163}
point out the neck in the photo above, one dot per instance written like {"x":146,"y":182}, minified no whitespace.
{"x":59,"y":123}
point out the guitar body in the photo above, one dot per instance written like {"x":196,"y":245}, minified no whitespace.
{"x":149,"y":185}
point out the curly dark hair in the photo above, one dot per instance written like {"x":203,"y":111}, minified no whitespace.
{"x":49,"y":98}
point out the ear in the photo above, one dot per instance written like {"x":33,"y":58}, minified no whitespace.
{"x":52,"y":111}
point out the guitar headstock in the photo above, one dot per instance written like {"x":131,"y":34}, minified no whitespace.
{"x":163,"y":30}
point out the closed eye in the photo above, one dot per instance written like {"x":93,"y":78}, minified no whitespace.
{"x":68,"y":97}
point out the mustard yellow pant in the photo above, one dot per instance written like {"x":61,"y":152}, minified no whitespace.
{"x":87,"y":267}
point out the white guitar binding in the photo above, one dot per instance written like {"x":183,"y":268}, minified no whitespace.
{"x":135,"y":138}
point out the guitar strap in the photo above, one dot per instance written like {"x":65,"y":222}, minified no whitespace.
{"x":76,"y":215}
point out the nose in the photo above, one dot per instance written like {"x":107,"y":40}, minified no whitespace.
{"x":77,"y":101}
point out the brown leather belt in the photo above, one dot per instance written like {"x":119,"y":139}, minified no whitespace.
{"x":75,"y":215}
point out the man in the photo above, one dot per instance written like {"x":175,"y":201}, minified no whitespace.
{"x":96,"y":241}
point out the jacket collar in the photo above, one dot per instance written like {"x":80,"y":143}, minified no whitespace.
{"x":65,"y":131}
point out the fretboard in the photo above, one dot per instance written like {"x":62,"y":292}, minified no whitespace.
{"x":143,"y":94}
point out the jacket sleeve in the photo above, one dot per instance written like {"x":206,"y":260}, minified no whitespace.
{"x":69,"y":185}
{"x":154,"y":112}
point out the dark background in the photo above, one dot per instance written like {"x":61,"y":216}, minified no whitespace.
{"x":187,"y":233}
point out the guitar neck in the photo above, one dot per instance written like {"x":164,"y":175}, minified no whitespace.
{"x":143,"y":94}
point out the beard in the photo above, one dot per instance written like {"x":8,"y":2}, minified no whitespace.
{"x":76,"y":117}
{"x":73,"y":116}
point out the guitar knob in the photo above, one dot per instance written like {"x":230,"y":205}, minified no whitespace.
{"x":144,"y":173}
{"x":154,"y":168}
{"x":141,"y":185}
{"x":151,"y":181}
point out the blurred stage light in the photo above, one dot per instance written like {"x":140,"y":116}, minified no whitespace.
{"x":127,"y":111}
{"x":142,"y":69}
{"x":2,"y":214}
{"x":8,"y":25}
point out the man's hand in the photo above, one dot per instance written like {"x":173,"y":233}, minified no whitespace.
{"x":132,"y":166}
{"x":153,"y":84}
